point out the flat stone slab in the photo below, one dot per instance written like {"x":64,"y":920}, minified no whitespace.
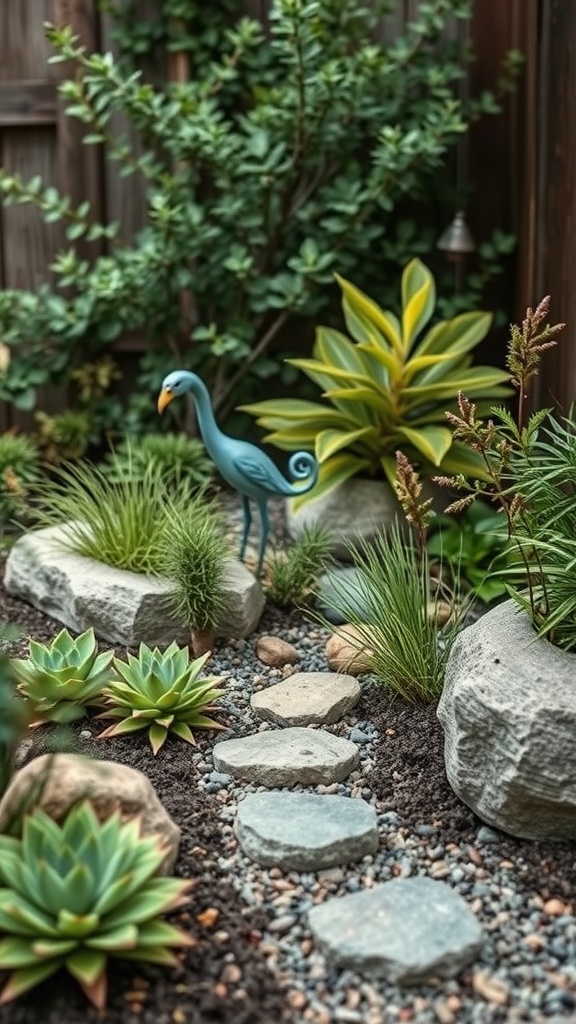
{"x":122,"y":607}
{"x":508,"y":710}
{"x":307,"y":698}
{"x":305,"y":831}
{"x":285,"y":757}
{"x":405,"y":931}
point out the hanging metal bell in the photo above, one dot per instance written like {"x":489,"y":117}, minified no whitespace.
{"x":457,"y":238}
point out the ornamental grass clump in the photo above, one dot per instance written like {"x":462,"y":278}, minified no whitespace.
{"x":61,"y":678}
{"x":193,"y":557}
{"x":74,"y":894}
{"x":395,"y":616}
{"x":162,"y":692}
{"x":117,"y":521}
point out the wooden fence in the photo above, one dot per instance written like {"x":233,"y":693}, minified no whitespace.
{"x":520,"y":185}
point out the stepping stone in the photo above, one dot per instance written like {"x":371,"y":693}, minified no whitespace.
{"x":405,"y":931}
{"x":305,"y":831}
{"x":307,"y":698}
{"x":285,"y":757}
{"x":122,"y":607}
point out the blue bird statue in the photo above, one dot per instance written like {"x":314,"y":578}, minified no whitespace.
{"x":243,"y":465}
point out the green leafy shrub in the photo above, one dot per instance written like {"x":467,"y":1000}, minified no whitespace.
{"x":19,"y":471}
{"x":61,"y":678}
{"x":475,"y":547}
{"x":287,"y":154}
{"x":162,"y":692}
{"x":65,"y":435}
{"x":292,"y":572}
{"x":118,"y":522}
{"x":194,"y":555}
{"x":178,"y":459}
{"x":77,"y":893}
{"x":386,"y":389}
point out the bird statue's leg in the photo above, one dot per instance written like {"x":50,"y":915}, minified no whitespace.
{"x":263,"y":508}
{"x":247,"y":524}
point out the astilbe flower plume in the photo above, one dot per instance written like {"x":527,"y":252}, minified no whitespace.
{"x":417,"y":511}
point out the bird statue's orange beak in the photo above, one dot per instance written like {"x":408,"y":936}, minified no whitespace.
{"x":164,"y":399}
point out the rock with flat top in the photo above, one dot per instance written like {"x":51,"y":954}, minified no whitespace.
{"x":285,"y":757}
{"x":305,"y":831}
{"x":307,"y":698}
{"x":123,"y":607}
{"x":405,"y":931}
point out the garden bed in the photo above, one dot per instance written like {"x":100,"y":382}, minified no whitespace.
{"x":254,"y":960}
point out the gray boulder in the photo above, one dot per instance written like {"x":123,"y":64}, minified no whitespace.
{"x":357,"y":509}
{"x":405,"y":931}
{"x":508,"y":710}
{"x":122,"y":607}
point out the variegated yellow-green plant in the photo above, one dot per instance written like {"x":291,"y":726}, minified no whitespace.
{"x":162,"y":692}
{"x":386,"y":388}
{"x":75,"y":893}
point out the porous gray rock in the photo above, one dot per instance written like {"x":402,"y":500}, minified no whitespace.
{"x":61,"y":780}
{"x":405,"y":931}
{"x":307,"y":698}
{"x":357,"y":509}
{"x":285,"y":757}
{"x":305,"y":831}
{"x":122,"y":607}
{"x":508,"y":710}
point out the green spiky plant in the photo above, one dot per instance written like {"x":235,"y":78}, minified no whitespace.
{"x":293,"y":571}
{"x":162,"y":692}
{"x":73,"y":895}
{"x":194,"y":555}
{"x":384,"y":388}
{"x":61,"y":678}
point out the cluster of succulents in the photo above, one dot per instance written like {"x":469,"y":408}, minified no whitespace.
{"x":61,"y":678}
{"x":75,"y":893}
{"x":163,"y":692}
{"x":160,"y":691}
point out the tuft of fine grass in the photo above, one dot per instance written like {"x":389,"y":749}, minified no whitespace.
{"x":398,"y":628}
{"x":120,"y":522}
{"x":294,"y":571}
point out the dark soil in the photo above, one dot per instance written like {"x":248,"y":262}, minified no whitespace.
{"x":408,"y":778}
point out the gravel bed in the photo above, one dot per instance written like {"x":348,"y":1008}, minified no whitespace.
{"x":522,"y":892}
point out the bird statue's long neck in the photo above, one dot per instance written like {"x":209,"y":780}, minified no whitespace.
{"x":206,"y":419}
